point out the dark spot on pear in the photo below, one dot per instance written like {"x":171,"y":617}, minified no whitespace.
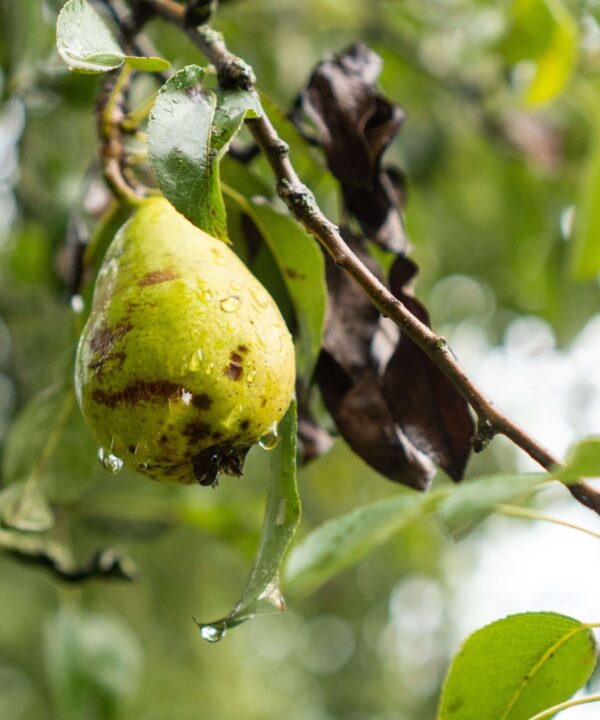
{"x":236,"y":358}
{"x":263,"y":402}
{"x":197,"y":430}
{"x":245,"y":424}
{"x":138,"y":392}
{"x":242,"y":348}
{"x":104,"y":338}
{"x":202,"y":401}
{"x":234,"y":371}
{"x":158,"y":276}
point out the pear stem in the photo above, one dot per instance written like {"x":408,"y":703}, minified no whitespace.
{"x":235,"y":72}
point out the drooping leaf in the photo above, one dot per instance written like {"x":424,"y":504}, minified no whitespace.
{"x":343,"y":541}
{"x":424,"y":403}
{"x":86,"y":44}
{"x":355,"y":124}
{"x":469,"y":504}
{"x":189,"y":130}
{"x":262,"y":593}
{"x":544,"y":33}
{"x":351,"y":384}
{"x":518,"y":666}
{"x":583,"y":461}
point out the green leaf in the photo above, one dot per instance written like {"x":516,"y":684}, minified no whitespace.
{"x":583,"y":460}
{"x":302,"y":267}
{"x":343,"y":541}
{"x":585,"y":257}
{"x":469,"y":504}
{"x":545,"y":33}
{"x":88,"y":46}
{"x":83,"y":40}
{"x":189,"y":130}
{"x":262,"y":593}
{"x":518,"y":666}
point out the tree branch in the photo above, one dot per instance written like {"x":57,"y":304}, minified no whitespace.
{"x":235,"y":72}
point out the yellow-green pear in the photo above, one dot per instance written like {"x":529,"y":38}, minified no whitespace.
{"x":185,"y":361}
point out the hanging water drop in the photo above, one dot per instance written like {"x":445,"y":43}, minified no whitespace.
{"x":270,"y":439}
{"x":213,"y":633}
{"x":111,"y":463}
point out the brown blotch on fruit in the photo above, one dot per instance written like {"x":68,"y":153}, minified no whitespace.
{"x":104,"y":338}
{"x":234,"y":371}
{"x":196,"y":430}
{"x":138,"y":392}
{"x":243,"y":349}
{"x":158,"y":276}
{"x":202,"y":401}
{"x":245,"y":424}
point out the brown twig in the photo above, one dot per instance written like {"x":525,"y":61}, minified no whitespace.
{"x":234,"y":72}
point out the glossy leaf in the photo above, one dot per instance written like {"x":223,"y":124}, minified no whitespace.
{"x":189,"y":130}
{"x":469,"y":504}
{"x":86,"y":44}
{"x":518,"y":666}
{"x":583,"y":460}
{"x":344,"y":540}
{"x":262,"y":594}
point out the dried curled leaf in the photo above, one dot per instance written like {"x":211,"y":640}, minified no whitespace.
{"x":355,"y":124}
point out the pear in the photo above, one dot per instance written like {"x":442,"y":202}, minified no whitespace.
{"x":185,"y":361}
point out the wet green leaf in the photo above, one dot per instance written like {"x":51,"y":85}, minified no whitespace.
{"x":262,"y":593}
{"x":86,"y":44}
{"x":343,"y":541}
{"x":518,"y":666}
{"x":189,"y":130}
{"x":468,"y":504}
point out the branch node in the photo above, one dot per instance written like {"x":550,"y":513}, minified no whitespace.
{"x":484,"y":435}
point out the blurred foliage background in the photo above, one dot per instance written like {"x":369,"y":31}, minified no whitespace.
{"x":499,"y":150}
